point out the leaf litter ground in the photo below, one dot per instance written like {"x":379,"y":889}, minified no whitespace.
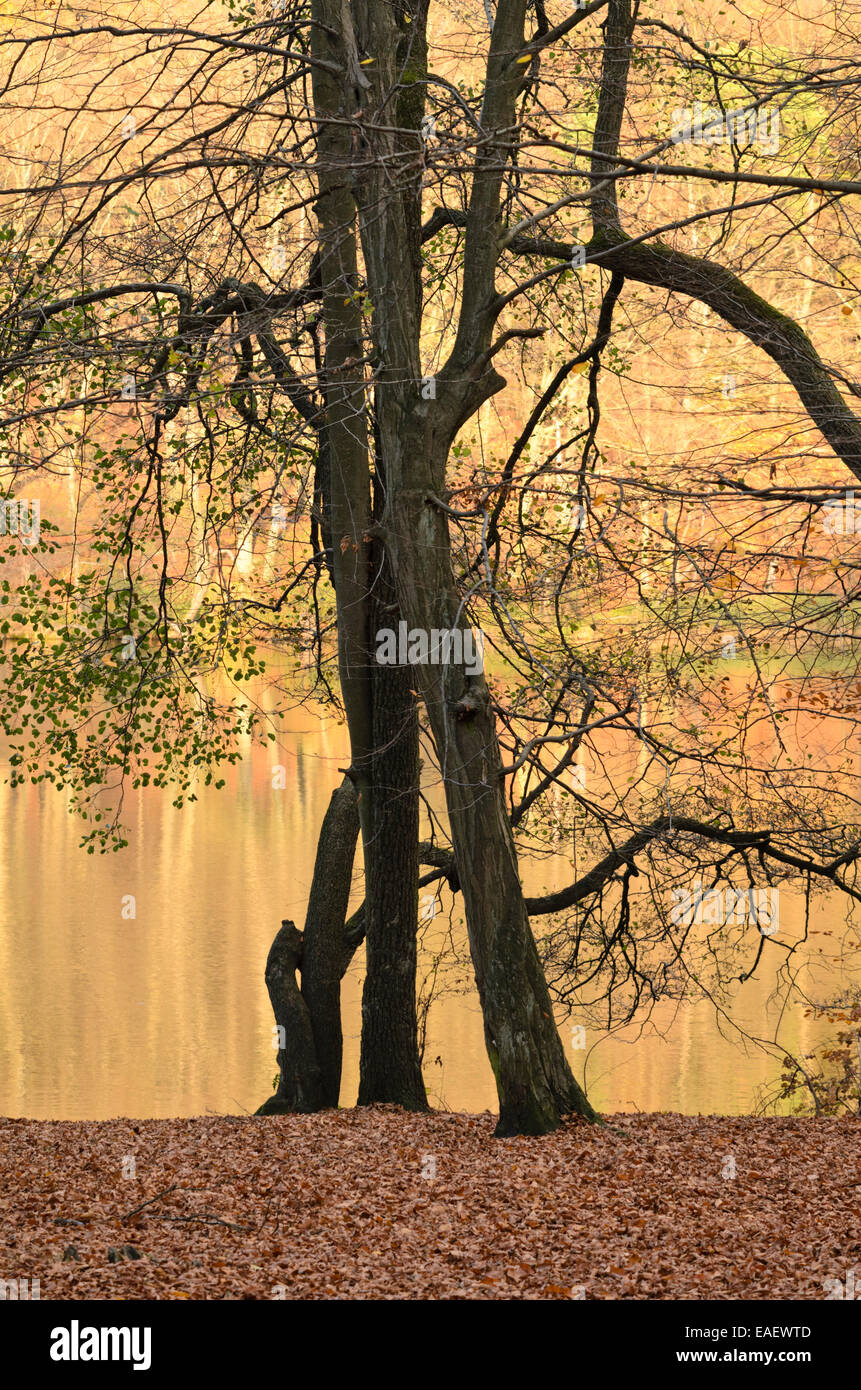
{"x":378,"y":1203}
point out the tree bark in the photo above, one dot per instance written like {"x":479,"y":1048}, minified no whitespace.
{"x":324,"y":935}
{"x":390,"y":1069}
{"x":300,"y":1086}
{"x":534,"y":1081}
{"x":535,"y":1084}
{"x":310,"y":1058}
{"x":380,"y":711}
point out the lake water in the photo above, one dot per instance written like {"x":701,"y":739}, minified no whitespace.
{"x":167,"y":1013}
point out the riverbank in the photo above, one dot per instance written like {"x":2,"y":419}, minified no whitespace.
{"x":378,"y":1203}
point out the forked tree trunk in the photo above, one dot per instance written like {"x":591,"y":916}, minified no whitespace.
{"x":379,"y":709}
{"x":310,"y":1058}
{"x":536,"y":1086}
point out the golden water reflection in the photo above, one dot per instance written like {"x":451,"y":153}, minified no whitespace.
{"x":167,"y":1013}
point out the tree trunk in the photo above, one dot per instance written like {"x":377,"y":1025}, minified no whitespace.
{"x":310,"y":1057}
{"x":324,"y":935}
{"x":300,"y":1087}
{"x":535,"y":1084}
{"x":416,"y":429}
{"x":380,"y":712}
{"x":390,"y":1066}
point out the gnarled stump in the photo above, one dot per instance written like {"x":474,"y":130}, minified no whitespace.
{"x":300,"y":1086}
{"x":324,"y":934}
{"x":310,"y":1058}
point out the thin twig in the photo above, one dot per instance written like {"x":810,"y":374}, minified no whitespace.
{"x":148,"y":1201}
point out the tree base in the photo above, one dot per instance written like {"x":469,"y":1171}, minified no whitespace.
{"x":533,"y":1120}
{"x":275,"y":1105}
